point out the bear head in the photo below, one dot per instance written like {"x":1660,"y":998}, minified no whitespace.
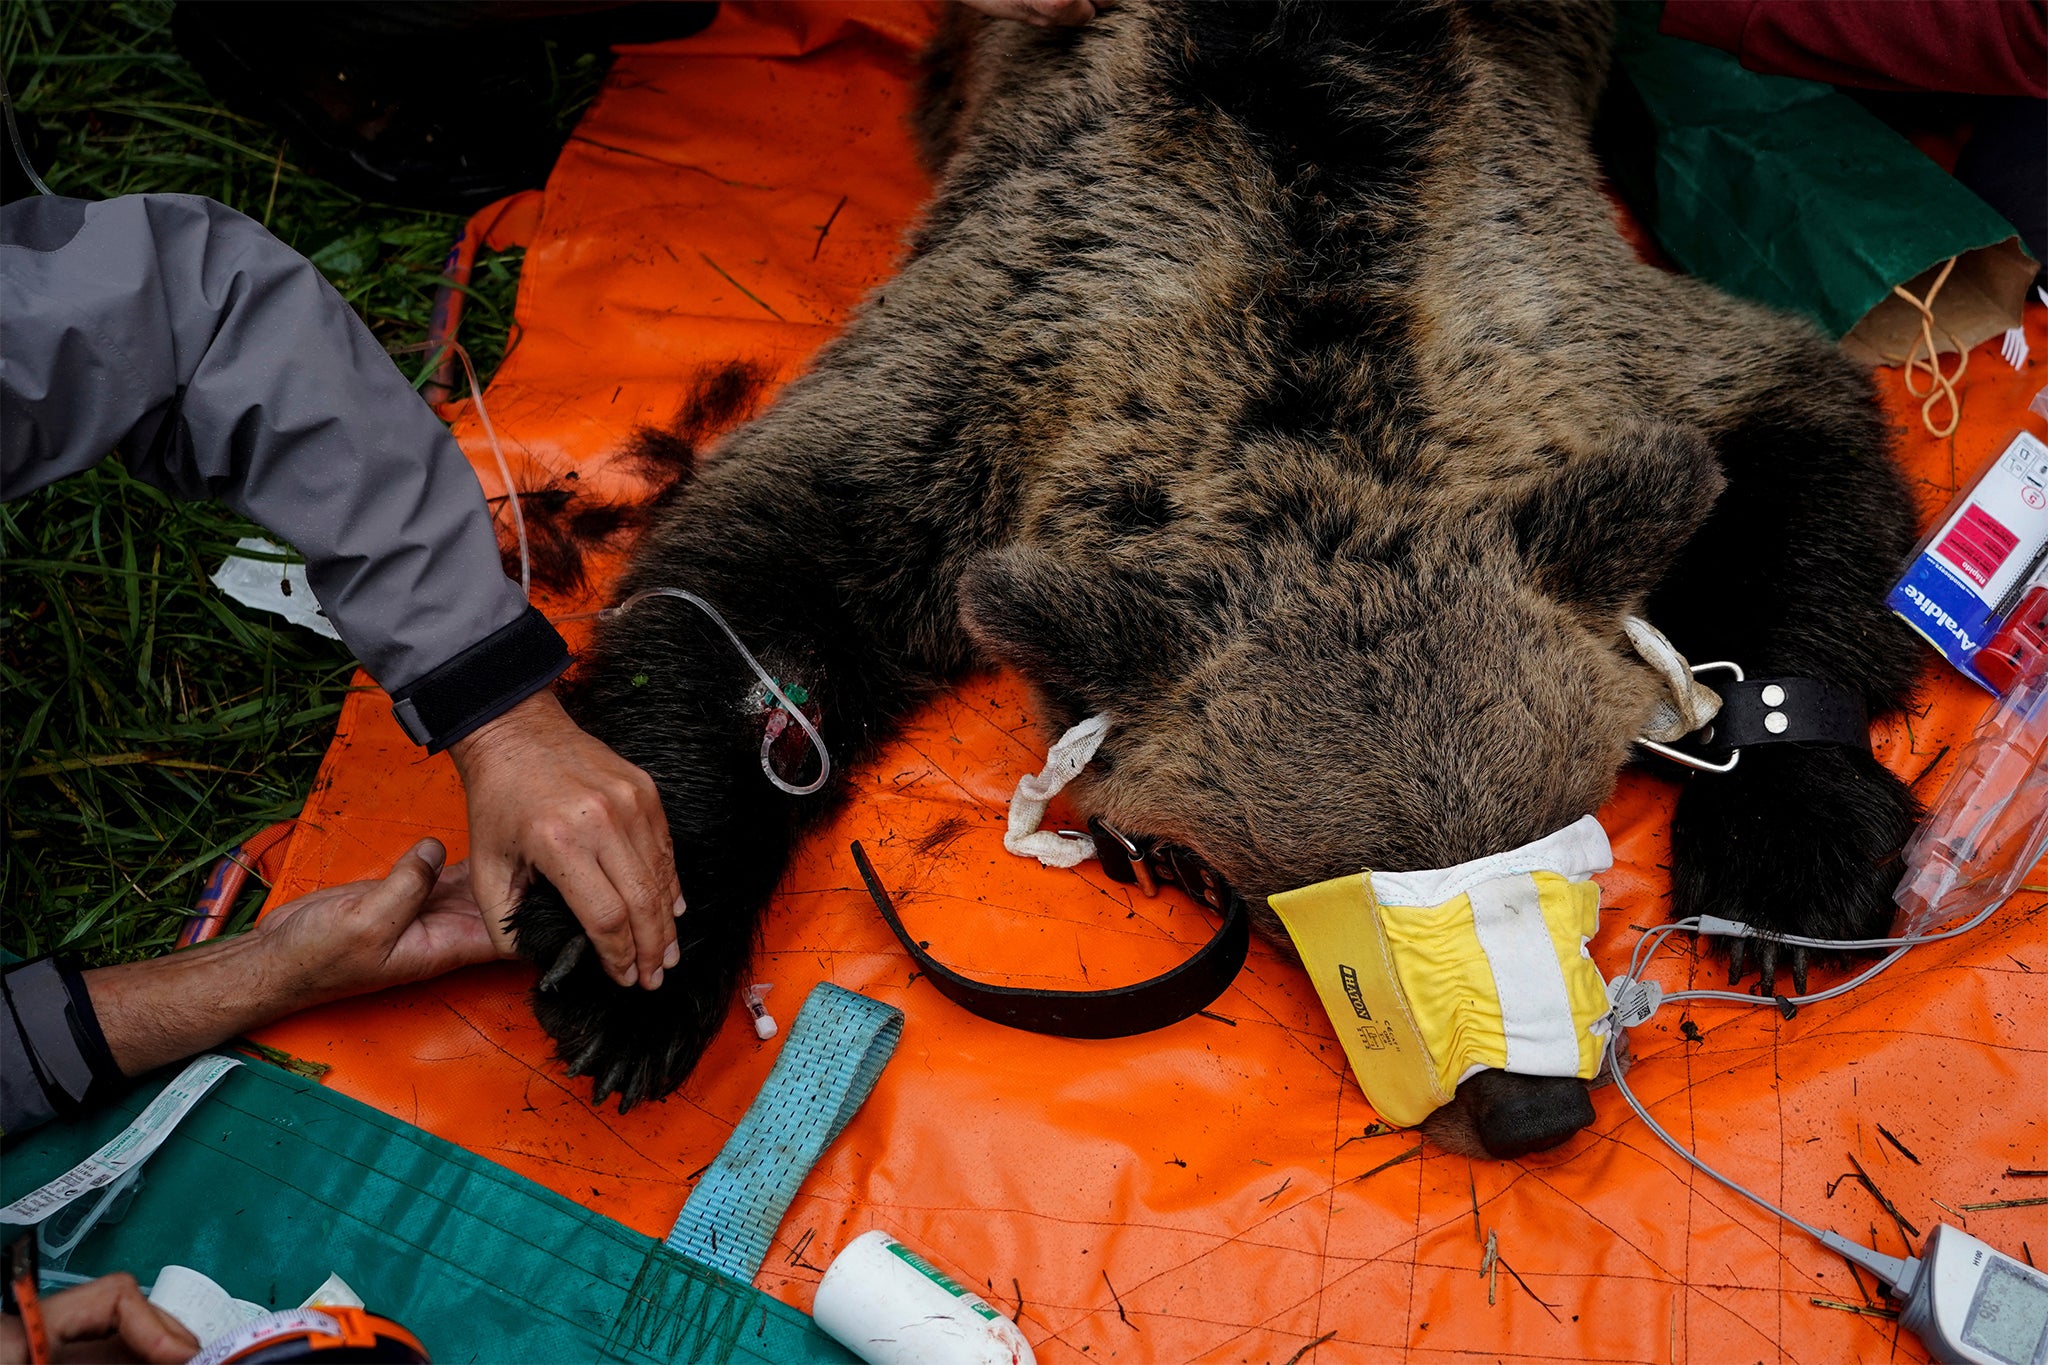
{"x":1390,"y":675}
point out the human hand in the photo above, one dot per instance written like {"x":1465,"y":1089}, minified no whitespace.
{"x":105,"y":1319}
{"x":1042,"y":13}
{"x":547,"y":799}
{"x":417,"y":922}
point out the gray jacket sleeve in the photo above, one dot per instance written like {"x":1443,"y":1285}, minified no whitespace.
{"x":53,"y":1057}
{"x":224,"y":366}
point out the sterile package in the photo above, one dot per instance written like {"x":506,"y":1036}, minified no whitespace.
{"x":1989,"y":827}
{"x":1973,"y":574}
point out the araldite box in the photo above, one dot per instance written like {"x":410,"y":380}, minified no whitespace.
{"x":1970,"y":574}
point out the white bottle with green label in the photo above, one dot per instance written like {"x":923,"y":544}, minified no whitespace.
{"x":890,"y":1306}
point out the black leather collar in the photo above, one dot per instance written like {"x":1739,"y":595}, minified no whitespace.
{"x":1769,"y":711}
{"x":1120,"y":1011}
{"x":1785,"y":711}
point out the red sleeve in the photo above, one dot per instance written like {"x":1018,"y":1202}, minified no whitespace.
{"x":1974,"y":47}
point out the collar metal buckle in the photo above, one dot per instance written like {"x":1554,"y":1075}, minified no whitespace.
{"x":1693,"y":760}
{"x":1124,"y":858}
{"x":1146,"y":862}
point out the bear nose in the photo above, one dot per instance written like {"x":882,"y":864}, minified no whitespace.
{"x":1515,"y":1115}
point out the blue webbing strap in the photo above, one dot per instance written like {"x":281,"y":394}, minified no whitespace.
{"x":835,"y":1052}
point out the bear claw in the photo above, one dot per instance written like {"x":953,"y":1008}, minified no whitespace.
{"x":1763,"y":958}
{"x":565,"y":962}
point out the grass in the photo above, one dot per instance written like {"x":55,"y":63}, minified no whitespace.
{"x":147,"y":723}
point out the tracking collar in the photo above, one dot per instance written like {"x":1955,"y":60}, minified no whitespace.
{"x":1785,"y":711}
{"x":1720,"y":722}
{"x":1428,"y":976}
{"x":1120,"y":1011}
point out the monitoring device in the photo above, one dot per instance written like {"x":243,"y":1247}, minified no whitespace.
{"x":1969,"y":1303}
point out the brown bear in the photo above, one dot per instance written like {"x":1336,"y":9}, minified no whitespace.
{"x":1275,"y":380}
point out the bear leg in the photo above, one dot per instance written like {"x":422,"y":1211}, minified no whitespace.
{"x":666,"y":689}
{"x":1787,"y":577}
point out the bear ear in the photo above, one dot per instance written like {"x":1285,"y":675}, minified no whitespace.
{"x":1606,"y":530}
{"x":1086,"y":630}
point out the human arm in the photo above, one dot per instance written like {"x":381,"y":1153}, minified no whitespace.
{"x":601,"y":836}
{"x":416,"y":922}
{"x":224,"y":366}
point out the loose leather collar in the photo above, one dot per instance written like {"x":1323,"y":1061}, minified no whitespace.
{"x":1120,"y":1011}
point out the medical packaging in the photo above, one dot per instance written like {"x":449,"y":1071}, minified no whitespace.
{"x":890,"y":1306}
{"x":1972,"y":574}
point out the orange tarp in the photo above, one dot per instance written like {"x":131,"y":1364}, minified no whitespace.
{"x":1204,"y":1192}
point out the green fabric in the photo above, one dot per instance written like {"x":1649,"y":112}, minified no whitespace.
{"x":1783,"y":190}
{"x":272,"y":1182}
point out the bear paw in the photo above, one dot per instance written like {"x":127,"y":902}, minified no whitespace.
{"x":1798,"y":840}
{"x":630,"y":1042}
{"x":637,"y":1044}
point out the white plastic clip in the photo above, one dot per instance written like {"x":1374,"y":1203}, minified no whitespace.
{"x":755,"y":996}
{"x":1632,"y":1002}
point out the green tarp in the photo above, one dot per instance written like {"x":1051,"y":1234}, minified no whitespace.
{"x":1787,"y":191}
{"x":272,"y":1182}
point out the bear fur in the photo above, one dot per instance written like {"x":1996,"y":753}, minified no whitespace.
{"x":1276,"y":380}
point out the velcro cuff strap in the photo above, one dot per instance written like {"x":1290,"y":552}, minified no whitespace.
{"x":1786,"y":711}
{"x":60,"y":1034}
{"x":483,"y":682}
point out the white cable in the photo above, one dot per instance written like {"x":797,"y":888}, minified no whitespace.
{"x":1673,"y":1143}
{"x":775,"y":689}
{"x":1711,"y":926}
{"x":1737,"y":929}
{"x":476,"y":396}
{"x":1890,"y":1269}
{"x":1815,"y":998}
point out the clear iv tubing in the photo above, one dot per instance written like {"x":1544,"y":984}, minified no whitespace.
{"x":14,"y":138}
{"x":476,"y":398}
{"x":795,"y":712}
{"x":483,"y":416}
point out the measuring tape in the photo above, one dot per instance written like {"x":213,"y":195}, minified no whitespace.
{"x":307,"y":1334}
{"x":835,"y":1052}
